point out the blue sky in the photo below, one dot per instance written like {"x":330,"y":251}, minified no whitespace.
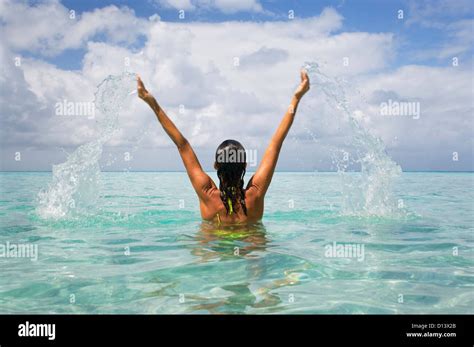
{"x":189,"y":62}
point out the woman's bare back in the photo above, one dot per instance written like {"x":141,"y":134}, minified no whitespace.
{"x":215,"y":211}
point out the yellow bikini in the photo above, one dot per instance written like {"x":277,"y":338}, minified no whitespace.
{"x":231,"y":210}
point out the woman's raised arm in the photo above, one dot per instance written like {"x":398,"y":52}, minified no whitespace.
{"x":201,"y":182}
{"x":262,"y":178}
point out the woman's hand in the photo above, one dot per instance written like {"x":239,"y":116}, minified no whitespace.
{"x":142,"y":92}
{"x":304,"y":85}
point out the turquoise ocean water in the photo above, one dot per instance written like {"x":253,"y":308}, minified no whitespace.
{"x":142,"y":248}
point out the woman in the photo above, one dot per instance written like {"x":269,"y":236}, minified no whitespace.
{"x":231,"y":203}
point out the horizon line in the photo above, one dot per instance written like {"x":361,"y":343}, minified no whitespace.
{"x":276,"y":171}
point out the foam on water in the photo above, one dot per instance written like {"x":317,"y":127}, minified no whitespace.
{"x":370,"y":192}
{"x":75,"y":183}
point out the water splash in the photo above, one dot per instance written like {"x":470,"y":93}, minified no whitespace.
{"x":75,"y":184}
{"x":370,"y":192}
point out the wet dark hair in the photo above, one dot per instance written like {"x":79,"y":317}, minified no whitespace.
{"x":231,"y":161}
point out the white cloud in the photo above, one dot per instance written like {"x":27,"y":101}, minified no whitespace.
{"x":178,"y":4}
{"x":435,"y":13}
{"x":231,"y":6}
{"x":192,"y":64}
{"x":445,"y":123}
{"x":225,"y":6}
{"x":47,"y":28}
{"x":450,"y":22}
